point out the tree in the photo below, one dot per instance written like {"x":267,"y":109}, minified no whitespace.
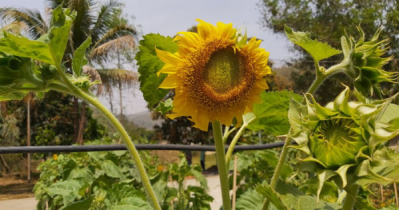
{"x":329,"y":20}
{"x":107,"y":34}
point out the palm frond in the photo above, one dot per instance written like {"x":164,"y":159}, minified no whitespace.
{"x":16,"y":27}
{"x":104,"y":20}
{"x":83,"y":20}
{"x":32,"y":18}
{"x":94,"y":76}
{"x":52,"y":4}
{"x":111,"y":77}
{"x":117,"y":31}
{"x":103,"y":51}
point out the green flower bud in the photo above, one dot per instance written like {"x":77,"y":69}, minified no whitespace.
{"x":344,"y":138}
{"x":335,"y":142}
{"x":366,"y":63}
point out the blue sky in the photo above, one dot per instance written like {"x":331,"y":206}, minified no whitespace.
{"x":169,"y":17}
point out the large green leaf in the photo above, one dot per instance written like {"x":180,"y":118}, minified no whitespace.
{"x":271,"y":195}
{"x":24,"y":47}
{"x":135,"y":202}
{"x":316,"y":49}
{"x":112,"y":170}
{"x":250,"y":200}
{"x":80,"y":205}
{"x":272,"y":113}
{"x":149,"y":64}
{"x":50,"y":49}
{"x":79,"y":58}
{"x":8,"y":94}
{"x":60,"y":24}
{"x":69,"y":190}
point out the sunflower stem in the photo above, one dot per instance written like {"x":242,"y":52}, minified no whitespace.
{"x":222,"y":167}
{"x":320,"y":76}
{"x":351,"y":197}
{"x":73,"y":90}
{"x":132,"y":149}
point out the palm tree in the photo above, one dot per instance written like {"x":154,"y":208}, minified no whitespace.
{"x":109,"y":35}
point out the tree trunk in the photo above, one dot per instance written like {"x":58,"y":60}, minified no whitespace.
{"x":5,"y":164}
{"x":28,"y":135}
{"x":82,"y":124}
{"x":110,"y":101}
{"x":75,"y":119}
{"x":120,"y":99}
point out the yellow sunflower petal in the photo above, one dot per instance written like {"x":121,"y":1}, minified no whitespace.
{"x":168,"y":69}
{"x":225,"y":30}
{"x":167,"y":57}
{"x":169,"y":82}
{"x":205,"y":29}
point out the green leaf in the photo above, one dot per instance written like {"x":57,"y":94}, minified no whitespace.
{"x":24,"y":47}
{"x":69,"y":190}
{"x":316,"y":49}
{"x":250,"y":200}
{"x":135,"y":202}
{"x":79,"y":58}
{"x":8,"y":94}
{"x":272,"y":113}
{"x":390,"y":113}
{"x":80,"y":205}
{"x":271,"y":195}
{"x":149,"y":64}
{"x":200,"y":178}
{"x":125,"y":207}
{"x":61,"y":23}
{"x":165,"y":106}
{"x":112,"y":170}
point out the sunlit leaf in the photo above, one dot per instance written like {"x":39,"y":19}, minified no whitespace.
{"x":272,"y":113}
{"x":80,"y":205}
{"x":165,"y":106}
{"x":316,"y":49}
{"x":149,"y":64}
{"x":79,"y":58}
{"x":59,"y":33}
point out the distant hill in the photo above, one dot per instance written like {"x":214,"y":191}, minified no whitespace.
{"x":144,"y":120}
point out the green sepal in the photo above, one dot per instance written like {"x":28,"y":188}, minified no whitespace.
{"x":342,"y":173}
{"x":323,"y":176}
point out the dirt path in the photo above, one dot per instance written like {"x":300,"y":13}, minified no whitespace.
{"x":19,"y":204}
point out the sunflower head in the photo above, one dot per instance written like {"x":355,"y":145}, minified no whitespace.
{"x":216,"y":74}
{"x":342,"y":139}
{"x":367,"y":61}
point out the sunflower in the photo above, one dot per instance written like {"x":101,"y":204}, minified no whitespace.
{"x":216,"y":74}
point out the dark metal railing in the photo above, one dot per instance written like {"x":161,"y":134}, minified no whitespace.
{"x":93,"y":148}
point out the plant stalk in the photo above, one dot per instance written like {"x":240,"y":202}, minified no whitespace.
{"x":319,"y":79}
{"x":351,"y":197}
{"x":220,"y":155}
{"x":129,"y":143}
{"x":132,"y":149}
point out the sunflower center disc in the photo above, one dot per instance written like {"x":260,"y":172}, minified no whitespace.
{"x":334,"y":143}
{"x":223,"y":71}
